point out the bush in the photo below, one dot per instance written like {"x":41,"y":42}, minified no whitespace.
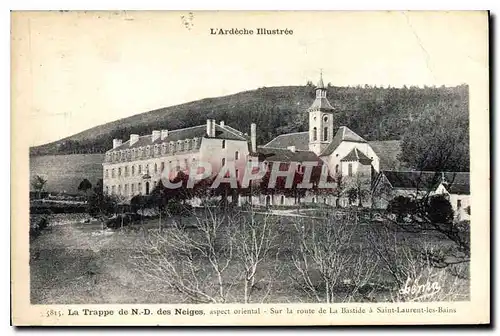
{"x":402,"y":206}
{"x":120,"y":220}
{"x":439,"y":210}
{"x":176,"y":208}
{"x":37,"y":227}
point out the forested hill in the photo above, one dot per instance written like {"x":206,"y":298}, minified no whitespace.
{"x":372,"y":112}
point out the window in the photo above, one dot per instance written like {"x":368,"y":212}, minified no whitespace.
{"x":336,"y":169}
{"x":237,"y":171}
{"x":113,"y":172}
{"x":133,"y":170}
{"x":186,"y":164}
{"x":126,"y":170}
{"x":325,"y":134}
{"x":156,"y":168}
{"x":325,"y":119}
{"x":113,"y":190}
{"x":223,"y":143}
{"x":147,"y":169}
{"x":126,"y":190}
{"x":107,"y":173}
{"x":120,"y":189}
{"x":139,"y":169}
{"x":282,"y":200}
{"x":119,"y":171}
{"x":349,"y":169}
{"x":107,"y":190}
{"x":236,"y":155}
{"x":139,"y":188}
{"x":132,"y":189}
{"x":315,"y":134}
{"x":223,"y":162}
{"x":459,"y":204}
{"x":162,"y":167}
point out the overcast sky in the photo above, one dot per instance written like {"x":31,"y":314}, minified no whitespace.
{"x":79,"y":70}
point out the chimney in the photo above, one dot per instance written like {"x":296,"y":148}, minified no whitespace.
{"x":117,"y":143}
{"x":133,"y":139}
{"x":292,"y":149}
{"x":253,"y":137}
{"x":164,"y":134}
{"x":155,"y":136}
{"x":222,"y":123}
{"x":213,"y":127}
{"x":209,"y":127}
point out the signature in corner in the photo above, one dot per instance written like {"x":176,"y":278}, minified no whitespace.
{"x":187,"y":21}
{"x":416,"y":290}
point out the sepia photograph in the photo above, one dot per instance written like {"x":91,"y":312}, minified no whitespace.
{"x":229,"y":166}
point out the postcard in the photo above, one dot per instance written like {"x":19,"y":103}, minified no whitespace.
{"x":185,"y":168}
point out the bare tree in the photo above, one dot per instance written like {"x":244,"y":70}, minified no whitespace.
{"x":192,"y":262}
{"x":38,"y":183}
{"x":207,"y":263}
{"x":330,"y":266}
{"x":255,"y":240}
{"x":410,"y":264}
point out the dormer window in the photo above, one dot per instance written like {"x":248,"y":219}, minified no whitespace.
{"x":187,"y":144}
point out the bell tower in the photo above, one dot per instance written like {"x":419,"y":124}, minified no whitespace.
{"x":320,"y":120}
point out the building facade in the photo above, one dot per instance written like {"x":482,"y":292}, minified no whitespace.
{"x":136,"y":166}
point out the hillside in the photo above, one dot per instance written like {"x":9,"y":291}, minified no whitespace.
{"x":374,"y":113}
{"x":65,"y":172}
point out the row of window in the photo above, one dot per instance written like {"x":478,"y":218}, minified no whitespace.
{"x":157,"y":167}
{"x":153,"y":150}
{"x":131,"y":189}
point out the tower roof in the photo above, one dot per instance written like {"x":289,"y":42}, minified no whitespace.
{"x":321,"y":103}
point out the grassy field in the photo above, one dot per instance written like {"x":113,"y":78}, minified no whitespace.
{"x":76,"y":262}
{"x":65,"y":172}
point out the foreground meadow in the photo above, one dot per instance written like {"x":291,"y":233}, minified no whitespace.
{"x":244,"y":257}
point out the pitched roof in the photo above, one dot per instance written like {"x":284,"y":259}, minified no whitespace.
{"x":458,"y":189}
{"x":221,"y":132}
{"x":453,"y":178}
{"x":343,"y":134}
{"x":356,"y":155}
{"x":422,"y":180}
{"x":286,"y":155}
{"x":300,"y":140}
{"x":388,"y":153}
